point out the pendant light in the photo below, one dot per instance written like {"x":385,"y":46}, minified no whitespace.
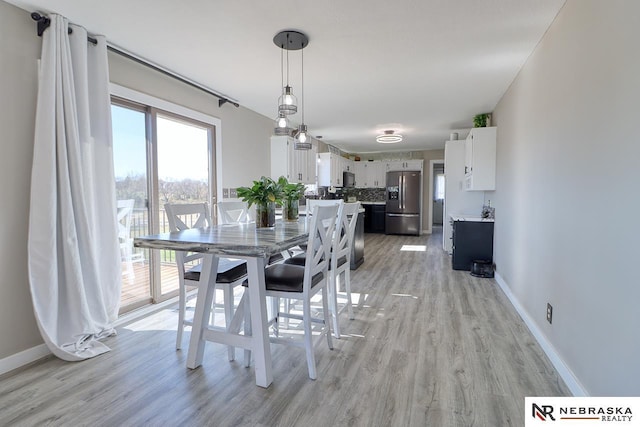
{"x":281,"y":122}
{"x":288,"y":40}
{"x":302,"y":139}
{"x":287,"y":103}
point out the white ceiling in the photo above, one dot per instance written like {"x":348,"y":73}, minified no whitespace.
{"x":427,"y":66}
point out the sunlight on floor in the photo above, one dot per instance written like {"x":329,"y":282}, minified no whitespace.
{"x":404,"y":295}
{"x":414,"y":248}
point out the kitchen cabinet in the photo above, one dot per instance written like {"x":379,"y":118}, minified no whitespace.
{"x":374,"y":217}
{"x":330,"y":168}
{"x":370,"y":174}
{"x":480,"y":160}
{"x":472,"y":240}
{"x":347,"y":165}
{"x":401,"y":165}
{"x":295,"y":165}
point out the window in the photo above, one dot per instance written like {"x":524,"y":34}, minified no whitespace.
{"x":159,"y":157}
{"x":439,"y":184}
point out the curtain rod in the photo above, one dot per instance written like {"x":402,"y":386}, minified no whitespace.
{"x":44,"y":22}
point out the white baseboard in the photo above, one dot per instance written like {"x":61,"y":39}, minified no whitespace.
{"x":565,"y":372}
{"x":23,"y":358}
{"x":30,"y":355}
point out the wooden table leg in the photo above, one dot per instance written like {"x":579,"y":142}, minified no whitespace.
{"x":206,"y":292}
{"x":260,"y":330}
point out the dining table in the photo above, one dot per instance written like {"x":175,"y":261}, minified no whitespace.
{"x":243,"y":241}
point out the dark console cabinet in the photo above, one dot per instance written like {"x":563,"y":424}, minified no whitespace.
{"x":472,"y":240}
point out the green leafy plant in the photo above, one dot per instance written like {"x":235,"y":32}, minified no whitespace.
{"x":262,"y":192}
{"x":480,"y":120}
{"x":290,"y":190}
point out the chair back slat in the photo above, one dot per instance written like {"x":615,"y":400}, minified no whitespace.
{"x":182,"y":217}
{"x":233,"y":212}
{"x":321,"y":229}
{"x":342,"y":246}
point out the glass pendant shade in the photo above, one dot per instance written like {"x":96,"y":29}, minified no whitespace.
{"x":302,"y":139}
{"x":282,"y":125}
{"x":287,"y":103}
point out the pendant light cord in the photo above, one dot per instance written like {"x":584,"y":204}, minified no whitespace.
{"x":302,"y":90}
{"x":287,"y":59}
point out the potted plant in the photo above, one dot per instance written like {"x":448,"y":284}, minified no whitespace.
{"x":291,"y":194}
{"x":264,"y":193}
{"x":482,"y":120}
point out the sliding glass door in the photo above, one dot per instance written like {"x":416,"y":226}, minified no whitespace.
{"x":184,"y":176}
{"x":159,"y":158}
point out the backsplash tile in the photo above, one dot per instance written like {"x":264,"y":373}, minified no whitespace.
{"x":365,"y":194}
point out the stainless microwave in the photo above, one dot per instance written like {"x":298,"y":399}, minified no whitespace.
{"x":348,"y":179}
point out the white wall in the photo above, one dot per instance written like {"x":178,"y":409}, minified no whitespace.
{"x":19,"y":49}
{"x":245,"y":134}
{"x":245,"y":156}
{"x":568,"y":191}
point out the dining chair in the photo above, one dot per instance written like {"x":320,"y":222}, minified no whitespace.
{"x":295,"y":282}
{"x":231,"y":272}
{"x":340,"y":264}
{"x":124,"y":216}
{"x":237,"y":212}
{"x":233,"y":212}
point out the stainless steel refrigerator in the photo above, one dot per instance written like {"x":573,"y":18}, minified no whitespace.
{"x":402,"y":215}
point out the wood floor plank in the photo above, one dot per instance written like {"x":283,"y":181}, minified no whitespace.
{"x":429,"y":346}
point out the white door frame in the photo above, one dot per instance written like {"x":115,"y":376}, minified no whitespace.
{"x":432,"y":164}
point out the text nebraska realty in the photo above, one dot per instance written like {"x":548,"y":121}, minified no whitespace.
{"x":605,"y":413}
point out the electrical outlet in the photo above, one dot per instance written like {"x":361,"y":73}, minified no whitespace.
{"x":233,"y":193}
{"x":225,"y":193}
{"x":549,"y":313}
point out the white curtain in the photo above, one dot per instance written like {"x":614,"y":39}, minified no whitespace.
{"x":74,"y":259}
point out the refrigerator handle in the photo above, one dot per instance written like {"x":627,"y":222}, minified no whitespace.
{"x":401,"y":190}
{"x":404,"y":188}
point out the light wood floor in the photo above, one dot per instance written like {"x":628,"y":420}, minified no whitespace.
{"x":429,"y":347}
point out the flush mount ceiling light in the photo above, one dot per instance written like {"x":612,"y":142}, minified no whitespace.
{"x":389,"y":137}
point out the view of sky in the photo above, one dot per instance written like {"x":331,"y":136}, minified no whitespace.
{"x":182,"y":148}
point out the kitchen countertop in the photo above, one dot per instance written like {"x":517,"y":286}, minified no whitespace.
{"x":302,"y":210}
{"x":470,"y":218}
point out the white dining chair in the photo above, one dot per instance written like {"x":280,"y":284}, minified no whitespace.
{"x":124,"y":216}
{"x":295,"y":282}
{"x":231,"y":272}
{"x":340,"y":264}
{"x":341,"y":260}
{"x":233,"y":212}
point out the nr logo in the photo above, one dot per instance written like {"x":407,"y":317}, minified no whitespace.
{"x":542,"y":412}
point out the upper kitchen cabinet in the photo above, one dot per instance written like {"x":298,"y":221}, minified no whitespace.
{"x":295,"y":165}
{"x":370,"y":174}
{"x":330,"y":168}
{"x":402,"y":165}
{"x":480,"y":160}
